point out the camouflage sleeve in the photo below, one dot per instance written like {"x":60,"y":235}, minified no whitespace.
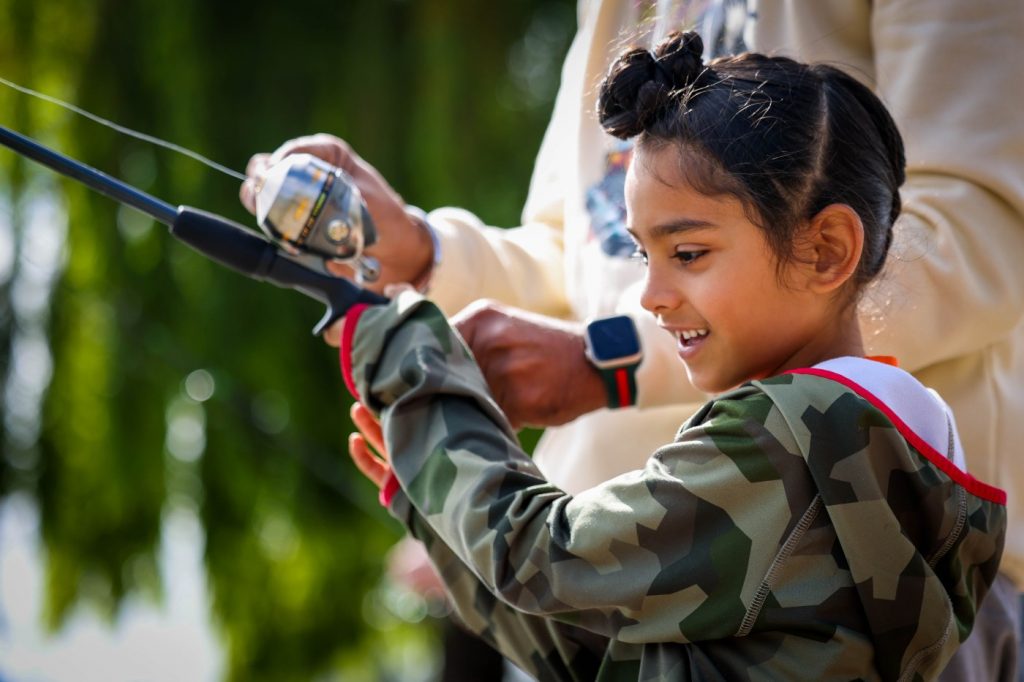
{"x":672,"y":553}
{"x":543,"y":647}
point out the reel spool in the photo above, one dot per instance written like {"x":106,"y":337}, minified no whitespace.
{"x":308,"y":206}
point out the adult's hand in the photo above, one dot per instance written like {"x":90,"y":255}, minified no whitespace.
{"x":535,"y":365}
{"x":403,"y":246}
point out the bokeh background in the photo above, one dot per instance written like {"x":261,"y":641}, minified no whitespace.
{"x":163,"y":415}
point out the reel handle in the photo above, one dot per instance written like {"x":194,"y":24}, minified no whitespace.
{"x":240,"y":249}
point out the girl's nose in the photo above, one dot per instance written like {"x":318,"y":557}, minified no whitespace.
{"x":659,"y":295}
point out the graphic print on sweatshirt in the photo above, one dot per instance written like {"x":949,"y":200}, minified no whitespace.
{"x":722,"y":25}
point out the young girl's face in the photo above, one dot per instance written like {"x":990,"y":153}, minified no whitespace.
{"x":713,"y":282}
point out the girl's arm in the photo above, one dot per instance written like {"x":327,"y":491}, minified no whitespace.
{"x":545,"y":648}
{"x":542,"y":647}
{"x":613,"y":560}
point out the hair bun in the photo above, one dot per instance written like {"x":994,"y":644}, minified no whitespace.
{"x":680,"y":57}
{"x":639,"y":83}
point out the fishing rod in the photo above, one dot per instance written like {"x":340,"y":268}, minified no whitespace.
{"x":310,"y":207}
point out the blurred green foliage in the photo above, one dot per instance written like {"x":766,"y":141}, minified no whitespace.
{"x":143,"y":379}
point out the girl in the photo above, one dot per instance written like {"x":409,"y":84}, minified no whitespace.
{"x":813,"y":521}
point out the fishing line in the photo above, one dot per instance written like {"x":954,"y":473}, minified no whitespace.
{"x":125,"y":131}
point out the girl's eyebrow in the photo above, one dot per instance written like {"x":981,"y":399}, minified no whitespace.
{"x":676,"y":227}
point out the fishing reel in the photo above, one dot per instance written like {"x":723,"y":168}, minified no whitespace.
{"x":316,"y":213}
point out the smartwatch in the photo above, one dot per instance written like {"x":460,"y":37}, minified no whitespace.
{"x":613,"y":347}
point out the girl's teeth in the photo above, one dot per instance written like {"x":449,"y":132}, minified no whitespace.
{"x":693,"y":334}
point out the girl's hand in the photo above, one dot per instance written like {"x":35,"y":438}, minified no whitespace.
{"x":372,"y":465}
{"x":332,"y":335}
{"x":407,"y":562}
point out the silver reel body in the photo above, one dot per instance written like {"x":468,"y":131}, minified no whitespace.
{"x":310,"y":207}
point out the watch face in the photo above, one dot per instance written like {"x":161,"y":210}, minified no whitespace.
{"x":612,"y":338}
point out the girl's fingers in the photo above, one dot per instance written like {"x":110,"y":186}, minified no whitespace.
{"x":371,"y":466}
{"x":332,"y":335}
{"x":370,"y":428}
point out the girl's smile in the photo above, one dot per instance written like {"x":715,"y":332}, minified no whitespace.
{"x":689,"y":340}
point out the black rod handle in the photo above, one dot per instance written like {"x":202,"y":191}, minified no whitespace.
{"x":242,"y":250}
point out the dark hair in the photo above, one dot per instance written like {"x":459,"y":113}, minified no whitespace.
{"x":786,"y":138}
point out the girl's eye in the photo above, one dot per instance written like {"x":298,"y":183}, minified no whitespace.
{"x":640,"y":256}
{"x":687,"y":257}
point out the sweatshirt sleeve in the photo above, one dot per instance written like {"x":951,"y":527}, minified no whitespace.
{"x":949,"y":71}
{"x":670,"y":553}
{"x":522,"y":266}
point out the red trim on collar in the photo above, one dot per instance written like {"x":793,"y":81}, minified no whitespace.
{"x":969,"y":483}
{"x":348,"y":332}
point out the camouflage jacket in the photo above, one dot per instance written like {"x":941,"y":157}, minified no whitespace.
{"x":792,"y":531}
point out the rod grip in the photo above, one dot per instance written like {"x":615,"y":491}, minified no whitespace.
{"x":244,"y":251}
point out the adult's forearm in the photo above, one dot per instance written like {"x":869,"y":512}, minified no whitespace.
{"x":522,"y":266}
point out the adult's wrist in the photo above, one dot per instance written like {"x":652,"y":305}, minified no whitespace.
{"x":429,"y":244}
{"x":591,"y":393}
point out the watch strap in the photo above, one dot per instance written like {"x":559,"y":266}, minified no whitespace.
{"x":620,"y":385}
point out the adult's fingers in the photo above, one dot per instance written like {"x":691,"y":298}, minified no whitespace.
{"x":340,"y":269}
{"x":258,"y":164}
{"x":254,"y":170}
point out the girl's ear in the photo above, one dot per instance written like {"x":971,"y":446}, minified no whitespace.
{"x":835,"y":239}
